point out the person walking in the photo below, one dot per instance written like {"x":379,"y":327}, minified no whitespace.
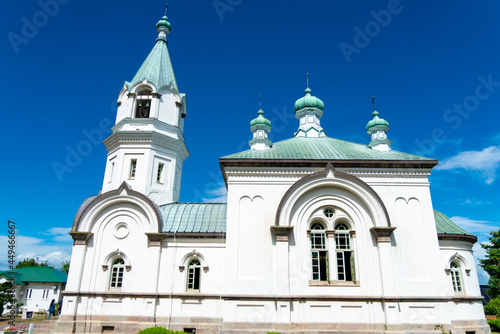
{"x":52,"y":308}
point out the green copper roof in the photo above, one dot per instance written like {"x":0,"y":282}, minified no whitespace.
{"x":36,"y":274}
{"x":157,"y":68}
{"x":308,"y":101}
{"x":376,"y":121}
{"x":445,"y":225}
{"x":194,"y":217}
{"x":324,"y":148}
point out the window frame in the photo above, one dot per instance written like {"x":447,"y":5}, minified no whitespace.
{"x":320,"y":267}
{"x":344,"y":253}
{"x":132,"y":169}
{"x":116,"y":281}
{"x":193,"y":274}
{"x":456,"y":276}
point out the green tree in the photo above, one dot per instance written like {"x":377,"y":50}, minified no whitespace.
{"x":65,"y":267}
{"x":491,"y":264}
{"x":6,"y":296}
{"x":31,"y":263}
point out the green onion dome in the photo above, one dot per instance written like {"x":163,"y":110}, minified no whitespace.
{"x":260,"y":120}
{"x":163,"y":23}
{"x":376,"y":121}
{"x":308,"y":101}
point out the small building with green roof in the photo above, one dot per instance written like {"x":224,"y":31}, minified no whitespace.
{"x":35,"y":287}
{"x":318,"y":234}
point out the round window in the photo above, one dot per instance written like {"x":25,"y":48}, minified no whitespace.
{"x":329,"y":212}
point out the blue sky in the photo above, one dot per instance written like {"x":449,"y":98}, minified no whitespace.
{"x":433,"y":66}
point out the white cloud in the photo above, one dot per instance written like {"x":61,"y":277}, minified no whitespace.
{"x":485,"y":162}
{"x":474,"y":226}
{"x":54,"y":250}
{"x":480,"y":253}
{"x":218,"y":195}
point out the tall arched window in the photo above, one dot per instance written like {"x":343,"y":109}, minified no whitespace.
{"x":456,"y":276}
{"x":117,"y":269}
{"x":319,"y":253}
{"x":344,"y":253}
{"x":194,"y":273}
{"x":143,"y":103}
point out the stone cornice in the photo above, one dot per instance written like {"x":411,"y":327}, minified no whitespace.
{"x":154,"y":239}
{"x":80,"y":238}
{"x":383,"y":233}
{"x":282,"y":232}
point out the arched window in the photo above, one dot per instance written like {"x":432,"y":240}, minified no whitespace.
{"x":456,"y":276}
{"x":319,"y":253}
{"x":194,"y":273}
{"x":344,"y":253}
{"x":117,"y":269}
{"x":143,"y":103}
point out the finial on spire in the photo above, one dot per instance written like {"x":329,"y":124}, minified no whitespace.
{"x":373,"y":102}
{"x":260,"y":101}
{"x":307,"y":80}
{"x":166,"y":9}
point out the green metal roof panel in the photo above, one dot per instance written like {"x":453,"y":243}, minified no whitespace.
{"x":194,"y":217}
{"x":445,"y":225}
{"x":324,"y":148}
{"x":36,"y":274}
{"x":157,"y":68}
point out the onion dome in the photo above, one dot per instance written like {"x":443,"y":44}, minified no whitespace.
{"x":377,"y":122}
{"x":308,"y":101}
{"x":260,"y":128}
{"x":163,"y":23}
{"x":260,"y":120}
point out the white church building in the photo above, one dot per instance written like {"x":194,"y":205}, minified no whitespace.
{"x":318,"y":235}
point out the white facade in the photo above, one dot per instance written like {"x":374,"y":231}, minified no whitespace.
{"x":346,"y":242}
{"x":36,"y":296}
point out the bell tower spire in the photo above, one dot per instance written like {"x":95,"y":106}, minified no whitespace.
{"x":147,"y":148}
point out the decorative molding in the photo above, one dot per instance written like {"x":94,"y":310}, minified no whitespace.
{"x":282,"y":232}
{"x":447,"y":271}
{"x":458,"y":237}
{"x":329,"y":233}
{"x":104,"y":267}
{"x":154,"y":239}
{"x":383,"y":233}
{"x":80,"y":238}
{"x":128,"y":268}
{"x":352,"y":233}
{"x":467,"y":271}
{"x":205,"y":269}
{"x":294,"y":172}
{"x":320,"y":297}
{"x":156,"y":95}
{"x":181,"y":268}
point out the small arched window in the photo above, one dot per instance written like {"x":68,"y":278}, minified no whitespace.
{"x":117,"y":269}
{"x":319,"y":253}
{"x":194,"y":273}
{"x":456,"y":276}
{"x":143,"y":103}
{"x":344,"y":253}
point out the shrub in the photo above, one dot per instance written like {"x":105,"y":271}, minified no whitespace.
{"x":273,"y":333}
{"x":159,"y":330}
{"x":494,"y":325}
{"x":493,"y":307}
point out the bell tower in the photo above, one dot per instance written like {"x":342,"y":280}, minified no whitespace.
{"x":147,"y":148}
